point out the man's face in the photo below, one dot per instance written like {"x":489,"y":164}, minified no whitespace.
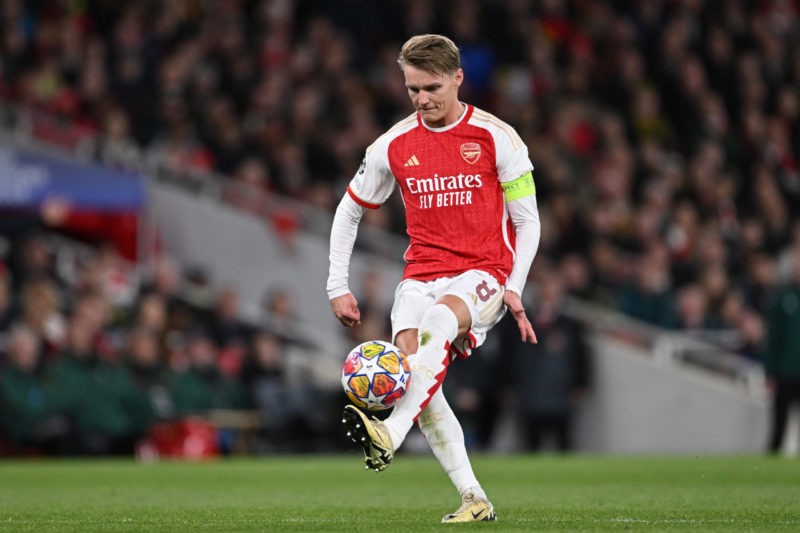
{"x":435,"y":96}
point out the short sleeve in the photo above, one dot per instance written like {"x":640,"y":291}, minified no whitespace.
{"x":512,"y":154}
{"x":374,"y":182}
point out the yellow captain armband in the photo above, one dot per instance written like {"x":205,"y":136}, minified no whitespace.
{"x":519,"y":188}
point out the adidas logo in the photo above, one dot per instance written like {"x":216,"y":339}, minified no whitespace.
{"x":413,"y":162}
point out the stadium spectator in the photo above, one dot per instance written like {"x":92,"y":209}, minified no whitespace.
{"x":150,"y":377}
{"x":551,"y":377}
{"x":96,"y":393}
{"x":32,"y":420}
{"x":115,"y":147}
{"x":280,"y":317}
{"x":782,"y":355}
{"x":31,"y":255}
{"x":786,"y":259}
{"x":647,"y":296}
{"x":96,"y":313}
{"x":577,"y":275}
{"x":41,"y":310}
{"x":716,"y":285}
{"x":268,"y":391}
{"x":249,"y":188}
{"x":692,"y":309}
{"x":290,"y":411}
{"x":230,"y":333}
{"x":752,"y":332}
{"x":164,"y":306}
{"x":202,"y":387}
{"x":7,"y":310}
{"x":225,"y":325}
{"x":759,"y":281}
{"x":151,"y":312}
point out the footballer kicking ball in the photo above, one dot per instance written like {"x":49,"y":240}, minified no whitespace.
{"x":375,"y":375}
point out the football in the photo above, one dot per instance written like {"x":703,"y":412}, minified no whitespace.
{"x":375,"y":375}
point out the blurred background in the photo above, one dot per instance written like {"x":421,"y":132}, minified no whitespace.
{"x":169,"y":171}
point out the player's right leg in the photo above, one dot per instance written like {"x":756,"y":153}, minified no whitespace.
{"x":446,"y":438}
{"x":472,"y":300}
{"x":438,"y":328}
{"x":411,"y":299}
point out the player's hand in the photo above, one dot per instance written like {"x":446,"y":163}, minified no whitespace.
{"x":345,"y":308}
{"x":514,"y":304}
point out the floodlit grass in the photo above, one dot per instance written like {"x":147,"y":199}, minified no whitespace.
{"x":335,"y":493}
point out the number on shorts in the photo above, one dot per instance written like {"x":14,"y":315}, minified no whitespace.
{"x":484,"y":292}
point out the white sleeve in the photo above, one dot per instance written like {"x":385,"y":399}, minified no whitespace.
{"x":525,"y":217}
{"x":343,"y":237}
{"x":374,"y":181}
{"x":514,"y":163}
{"x":511,"y":155}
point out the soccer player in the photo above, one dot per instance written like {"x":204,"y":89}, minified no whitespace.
{"x":473,"y":223}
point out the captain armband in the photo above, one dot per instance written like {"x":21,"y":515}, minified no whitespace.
{"x":519,"y":188}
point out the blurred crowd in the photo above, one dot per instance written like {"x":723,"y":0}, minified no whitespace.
{"x":665,"y":136}
{"x":98,"y":360}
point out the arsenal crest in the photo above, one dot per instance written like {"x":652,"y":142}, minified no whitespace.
{"x":471,"y":152}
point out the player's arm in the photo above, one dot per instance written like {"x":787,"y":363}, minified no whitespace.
{"x":369,"y":188}
{"x":343,"y":237}
{"x":520,"y":197}
{"x":515,"y":171}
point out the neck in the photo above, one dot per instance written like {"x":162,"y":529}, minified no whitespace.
{"x":451,"y":118}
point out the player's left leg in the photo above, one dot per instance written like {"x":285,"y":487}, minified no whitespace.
{"x":446,"y":438}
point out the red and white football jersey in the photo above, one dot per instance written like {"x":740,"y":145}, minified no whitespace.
{"x":449,"y":178}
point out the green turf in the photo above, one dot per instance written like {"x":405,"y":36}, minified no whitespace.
{"x":336,"y":494}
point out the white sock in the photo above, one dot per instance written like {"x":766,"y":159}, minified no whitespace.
{"x":438,"y":328}
{"x":446,"y":438}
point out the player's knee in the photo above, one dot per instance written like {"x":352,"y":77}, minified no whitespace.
{"x":406,"y":340}
{"x":460,"y":309}
{"x":439,"y":318}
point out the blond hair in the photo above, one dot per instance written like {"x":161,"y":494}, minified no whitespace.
{"x":432,"y":53}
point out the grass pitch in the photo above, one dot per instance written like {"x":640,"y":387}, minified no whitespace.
{"x":335,"y":493}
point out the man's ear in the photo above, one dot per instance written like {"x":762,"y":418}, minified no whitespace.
{"x":459,"y":77}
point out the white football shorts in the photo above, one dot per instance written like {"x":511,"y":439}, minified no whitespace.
{"x":482,"y":293}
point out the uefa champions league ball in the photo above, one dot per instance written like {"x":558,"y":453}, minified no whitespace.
{"x":375,"y":375}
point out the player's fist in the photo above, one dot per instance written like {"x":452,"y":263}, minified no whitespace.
{"x":345,"y":309}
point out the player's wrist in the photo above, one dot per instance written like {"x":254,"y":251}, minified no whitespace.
{"x":515,"y":290}
{"x":336,"y":292}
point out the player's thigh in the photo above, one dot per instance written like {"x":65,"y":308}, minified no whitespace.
{"x":483,"y":296}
